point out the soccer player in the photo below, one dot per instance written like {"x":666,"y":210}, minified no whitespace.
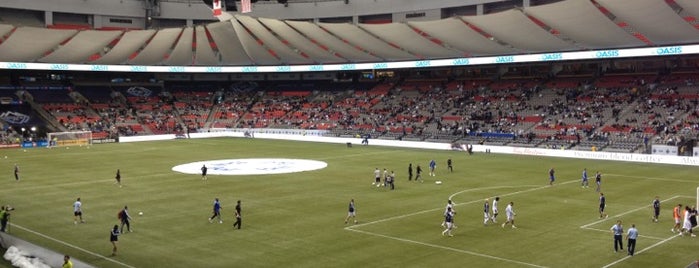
{"x":217,"y":211}
{"x":118,"y":178}
{"x":238,"y":216}
{"x":391,"y":179}
{"x":125,"y":219}
{"x":687,"y":222}
{"x":552,"y":177}
{"x":16,"y":172}
{"x":385,"y":177}
{"x":410,"y":171}
{"x":418,"y":172}
{"x":486,"y":212}
{"x":585,"y":183}
{"x":433,"y":165}
{"x":602,"y":205}
{"x":510,"y":213}
{"x":114,"y":238}
{"x":676,"y":216}
{"x":450,"y":206}
{"x":77,"y":211}
{"x":449,"y":220}
{"x":618,"y":231}
{"x":656,"y":208}
{"x":598,"y":181}
{"x":351,"y":213}
{"x":495,"y":209}
{"x":4,"y":218}
{"x":204,"y":169}
{"x":631,"y":237}
{"x":449,"y":166}
{"x":377,"y":177}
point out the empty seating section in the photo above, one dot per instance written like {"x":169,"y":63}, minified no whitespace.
{"x":612,"y":112}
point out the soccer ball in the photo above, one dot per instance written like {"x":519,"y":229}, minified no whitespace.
{"x":140,"y":213}
{"x":438,"y":182}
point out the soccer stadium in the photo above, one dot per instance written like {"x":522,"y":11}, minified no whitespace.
{"x":349,"y":133}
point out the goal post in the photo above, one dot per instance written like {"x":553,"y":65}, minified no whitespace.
{"x":70,"y":138}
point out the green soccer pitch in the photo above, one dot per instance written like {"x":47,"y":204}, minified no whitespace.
{"x":297,"y":219}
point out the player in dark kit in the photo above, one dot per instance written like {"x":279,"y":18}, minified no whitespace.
{"x":204,"y":169}
{"x":449,"y":166}
{"x":656,"y":209}
{"x":16,"y":172}
{"x":118,"y":178}
{"x":418,"y":173}
{"x":410,"y":171}
{"x":602,"y":204}
{"x":552,"y":177}
{"x":114,"y":238}
{"x":238,"y":216}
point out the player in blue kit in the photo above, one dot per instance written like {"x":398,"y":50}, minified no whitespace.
{"x":585,"y":182}
{"x":433,"y":165}
{"x":351,"y":212}
{"x":449,"y":220}
{"x":552,"y":177}
{"x":216,"y":211}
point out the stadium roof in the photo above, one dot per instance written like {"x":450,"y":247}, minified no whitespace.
{"x":570,"y":25}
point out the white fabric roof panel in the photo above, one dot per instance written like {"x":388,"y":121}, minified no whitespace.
{"x":582,"y":22}
{"x":690,"y":6}
{"x":204,"y":54}
{"x":284,"y":52}
{"x":654,"y":19}
{"x":29,"y":43}
{"x":182,"y":53}
{"x":455,"y":33}
{"x":229,"y":47}
{"x":258,"y":53}
{"x":82,"y":46}
{"x":300,"y":42}
{"x":515,"y":29}
{"x":361,"y":38}
{"x":314,"y":32}
{"x":402,"y":35}
{"x":129,"y":43}
{"x":154,"y":52}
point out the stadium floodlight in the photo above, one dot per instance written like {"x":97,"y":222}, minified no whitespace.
{"x":70,"y":138}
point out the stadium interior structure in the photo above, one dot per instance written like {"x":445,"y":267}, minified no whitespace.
{"x":603,"y":104}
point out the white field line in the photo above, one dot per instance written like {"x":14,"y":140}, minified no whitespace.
{"x":608,"y":231}
{"x":466,"y":203}
{"x":650,"y":178}
{"x":447,"y":248}
{"x":72,"y":246}
{"x":641,"y":251}
{"x":625,"y":213}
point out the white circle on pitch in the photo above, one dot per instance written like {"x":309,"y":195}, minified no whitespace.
{"x":251,"y":166}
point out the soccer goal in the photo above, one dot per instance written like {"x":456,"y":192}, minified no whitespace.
{"x":71,"y":138}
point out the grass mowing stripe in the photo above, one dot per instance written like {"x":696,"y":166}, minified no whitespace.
{"x":641,"y":251}
{"x":625,"y":213}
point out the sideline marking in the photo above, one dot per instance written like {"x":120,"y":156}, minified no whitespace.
{"x":72,"y":246}
{"x":622,"y":214}
{"x":650,"y":178}
{"x":466,"y":203}
{"x":352,"y":228}
{"x":641,"y":251}
{"x":644,"y":236}
{"x":447,"y":248}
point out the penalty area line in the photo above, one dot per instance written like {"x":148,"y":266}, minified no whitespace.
{"x":448,"y":248}
{"x":72,"y":246}
{"x":641,"y":251}
{"x":625,"y":213}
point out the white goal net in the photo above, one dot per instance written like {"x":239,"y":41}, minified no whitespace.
{"x":72,"y":138}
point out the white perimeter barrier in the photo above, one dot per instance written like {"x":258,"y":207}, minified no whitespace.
{"x":641,"y":158}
